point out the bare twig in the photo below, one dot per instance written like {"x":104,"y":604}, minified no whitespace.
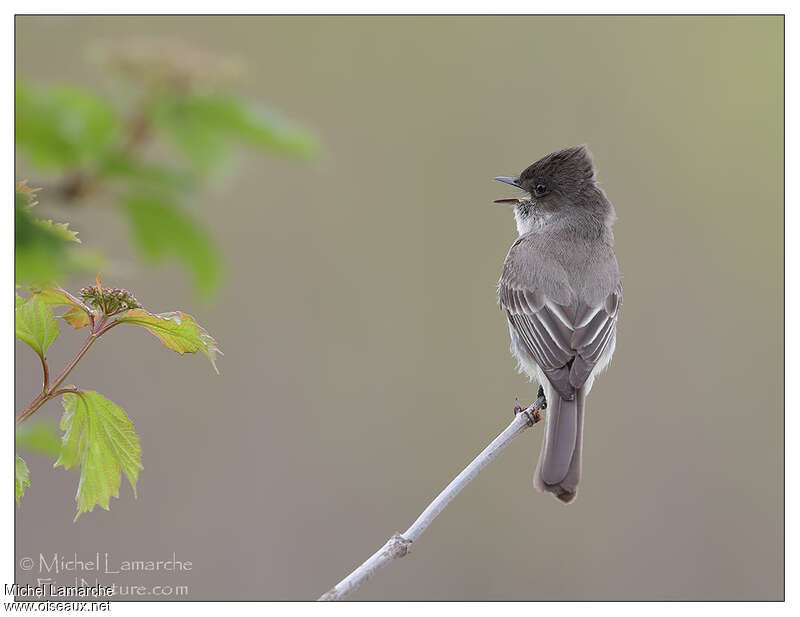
{"x":399,"y":544}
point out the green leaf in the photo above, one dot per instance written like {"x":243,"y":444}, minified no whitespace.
{"x":25,"y":196}
{"x":264,"y":129}
{"x":39,"y":436}
{"x":143,"y":175}
{"x":203,"y":145}
{"x":21,"y":479}
{"x":78,"y":314}
{"x":35,"y":324}
{"x":100,"y":438}
{"x":42,"y":249}
{"x":202,"y":126}
{"x":58,"y":230}
{"x":77,"y":318}
{"x":63,"y":127}
{"x":162,"y":229}
{"x":178,"y":331}
{"x":18,"y":300}
{"x":55,"y":296}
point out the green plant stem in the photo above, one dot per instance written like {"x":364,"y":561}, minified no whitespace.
{"x":72,"y":363}
{"x":53,"y":390}
{"x":35,"y":404}
{"x":107,"y":328}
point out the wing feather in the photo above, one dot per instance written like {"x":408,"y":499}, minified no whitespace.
{"x":565,"y":341}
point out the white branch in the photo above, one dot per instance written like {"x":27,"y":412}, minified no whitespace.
{"x":399,"y":544}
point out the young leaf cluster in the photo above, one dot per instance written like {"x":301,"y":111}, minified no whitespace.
{"x":97,"y":434}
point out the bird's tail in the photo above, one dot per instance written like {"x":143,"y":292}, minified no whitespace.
{"x":559,"y":467}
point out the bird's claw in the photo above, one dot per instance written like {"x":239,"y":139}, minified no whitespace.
{"x":541,"y":399}
{"x":533,"y":411}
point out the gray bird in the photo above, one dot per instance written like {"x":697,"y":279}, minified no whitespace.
{"x":562,"y":293}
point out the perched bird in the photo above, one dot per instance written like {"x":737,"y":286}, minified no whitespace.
{"x":561,"y":292}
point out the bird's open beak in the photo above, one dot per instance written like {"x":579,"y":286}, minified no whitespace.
{"x":508,"y":180}
{"x":512,"y":182}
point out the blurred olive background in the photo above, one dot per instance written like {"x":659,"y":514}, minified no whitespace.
{"x":366,"y":361}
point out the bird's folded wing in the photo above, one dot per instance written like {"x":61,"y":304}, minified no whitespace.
{"x":565,"y":341}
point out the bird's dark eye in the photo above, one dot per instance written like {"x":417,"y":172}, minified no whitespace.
{"x":540,"y":189}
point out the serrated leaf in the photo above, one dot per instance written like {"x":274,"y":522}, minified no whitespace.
{"x":63,"y":127}
{"x":38,"y":250}
{"x":99,"y":437}
{"x":177,"y":331}
{"x":25,"y":196}
{"x":35,"y":324}
{"x":58,"y":230}
{"x":39,"y":436}
{"x":22,"y":478}
{"x":41,"y":248}
{"x":163,"y":229}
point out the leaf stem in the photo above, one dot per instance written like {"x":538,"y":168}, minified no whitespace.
{"x":65,"y":391}
{"x":46,"y":374}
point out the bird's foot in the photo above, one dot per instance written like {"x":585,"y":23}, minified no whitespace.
{"x":541,"y":399}
{"x":534,"y":410}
